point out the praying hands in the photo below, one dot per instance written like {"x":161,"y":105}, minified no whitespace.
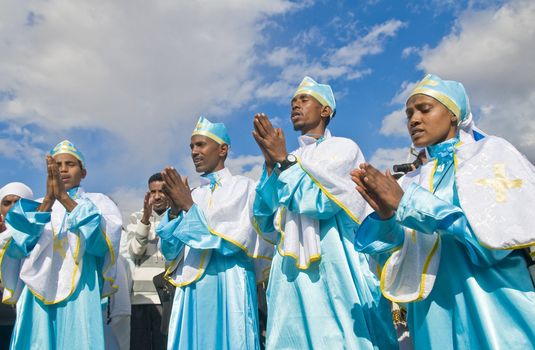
{"x":381,"y":191}
{"x":55,"y":189}
{"x":177,"y":190}
{"x":270,"y":140}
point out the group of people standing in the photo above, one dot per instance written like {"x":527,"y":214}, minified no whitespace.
{"x":337,"y":241}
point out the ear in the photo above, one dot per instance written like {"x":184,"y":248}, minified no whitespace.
{"x":326,"y":111}
{"x":84,"y":173}
{"x":223,"y":150}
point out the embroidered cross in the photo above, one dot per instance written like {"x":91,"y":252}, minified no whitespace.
{"x":59,"y":246}
{"x":500,"y":183}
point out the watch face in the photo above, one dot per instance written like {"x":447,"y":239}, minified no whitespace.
{"x":291,"y":158}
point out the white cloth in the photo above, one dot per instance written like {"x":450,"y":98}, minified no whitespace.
{"x":328,"y":163}
{"x":58,"y":255}
{"x":17,"y":189}
{"x":506,"y":221}
{"x":229,"y":214}
{"x":140,"y":248}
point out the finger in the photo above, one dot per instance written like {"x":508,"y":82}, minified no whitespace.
{"x":175,"y":176}
{"x":166,"y":174}
{"x":389,"y":175}
{"x":185,"y":181}
{"x":259,"y":139}
{"x":266,"y":124}
{"x":259,"y":126}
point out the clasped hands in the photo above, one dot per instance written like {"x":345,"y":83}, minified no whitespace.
{"x":55,"y":188}
{"x":381,"y":191}
{"x":270,"y":140}
{"x":177,"y":190}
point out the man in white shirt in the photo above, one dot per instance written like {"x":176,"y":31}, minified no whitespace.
{"x":146,"y":261}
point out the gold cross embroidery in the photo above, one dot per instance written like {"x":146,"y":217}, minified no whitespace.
{"x":59,"y":246}
{"x":500,"y":183}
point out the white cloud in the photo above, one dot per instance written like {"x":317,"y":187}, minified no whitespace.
{"x":141,"y":73}
{"x":370,"y":44}
{"x":281,"y":56}
{"x":492,"y":52}
{"x":129,"y":200}
{"x":385,"y":158}
{"x":339,"y":63}
{"x":394,"y":124}
{"x":246,"y":165}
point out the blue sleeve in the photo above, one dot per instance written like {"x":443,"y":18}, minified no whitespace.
{"x":299,"y":194}
{"x":379,"y":237}
{"x":27,"y":225}
{"x":85,"y":220}
{"x":170,"y":245}
{"x":192,"y":229}
{"x":266,"y":202}
{"x":421,"y":210}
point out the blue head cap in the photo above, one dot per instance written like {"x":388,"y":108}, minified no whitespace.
{"x":448,"y":92}
{"x":321,"y":92}
{"x":67,"y":147}
{"x":215,"y":131}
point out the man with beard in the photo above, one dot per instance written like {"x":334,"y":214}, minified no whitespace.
{"x":216,"y":250}
{"x":321,"y":292}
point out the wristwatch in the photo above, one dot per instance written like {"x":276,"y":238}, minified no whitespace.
{"x":287,"y":162}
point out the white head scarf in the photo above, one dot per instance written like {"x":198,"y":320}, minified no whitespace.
{"x":17,"y":189}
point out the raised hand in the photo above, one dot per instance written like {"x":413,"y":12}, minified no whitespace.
{"x":177,"y":190}
{"x":381,"y":191}
{"x":270,"y":140}
{"x":49,"y":198}
{"x":147,"y":208}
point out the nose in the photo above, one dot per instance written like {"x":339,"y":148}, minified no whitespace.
{"x":414,"y":120}
{"x":63,"y":168}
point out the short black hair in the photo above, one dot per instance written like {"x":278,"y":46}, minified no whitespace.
{"x":155,"y":177}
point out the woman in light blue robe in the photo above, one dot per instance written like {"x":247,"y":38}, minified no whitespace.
{"x":482,"y":298}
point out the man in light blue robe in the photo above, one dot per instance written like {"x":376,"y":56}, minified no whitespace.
{"x":59,"y":259}
{"x":448,"y":234}
{"x":321,"y":292}
{"x":216,"y":252}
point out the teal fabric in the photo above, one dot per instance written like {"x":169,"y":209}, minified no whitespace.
{"x":72,"y":324}
{"x":68,"y":147}
{"x":335,"y":303}
{"x":454,"y":90}
{"x":209,"y":129}
{"x":482,"y":298}
{"x":218,"y":311}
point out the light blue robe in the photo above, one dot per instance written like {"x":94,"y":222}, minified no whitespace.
{"x":75,"y":323}
{"x":336,"y":302}
{"x":219,"y":310}
{"x":482,"y":298}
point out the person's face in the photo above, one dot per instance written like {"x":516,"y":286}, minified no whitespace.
{"x":429,"y":122}
{"x":208,"y":156}
{"x":157,"y":197}
{"x":307,"y":113}
{"x":7,"y":202}
{"x":70,"y":170}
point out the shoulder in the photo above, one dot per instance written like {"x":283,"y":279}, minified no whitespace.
{"x":103,"y":202}
{"x":341,"y":141}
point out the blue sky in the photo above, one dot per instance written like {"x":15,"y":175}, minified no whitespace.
{"x":126,"y":80}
